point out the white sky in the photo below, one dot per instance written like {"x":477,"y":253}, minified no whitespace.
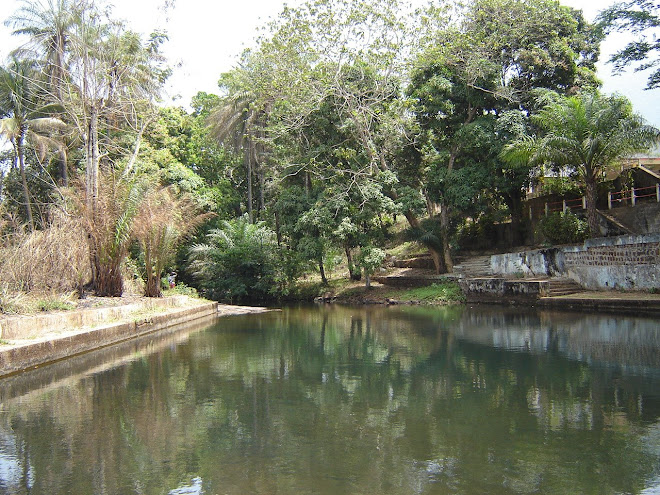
{"x":206,"y":37}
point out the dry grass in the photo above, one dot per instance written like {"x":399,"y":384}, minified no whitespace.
{"x":54,"y":260}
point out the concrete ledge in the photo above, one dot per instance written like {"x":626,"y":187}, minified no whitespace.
{"x":24,"y":355}
{"x":625,"y":306}
{"x":498,"y":290}
{"x":36,"y":326}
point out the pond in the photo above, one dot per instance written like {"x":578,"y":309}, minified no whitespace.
{"x":333,"y":400}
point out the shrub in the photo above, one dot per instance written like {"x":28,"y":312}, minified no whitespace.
{"x":563,"y":228}
{"x":237,"y":263}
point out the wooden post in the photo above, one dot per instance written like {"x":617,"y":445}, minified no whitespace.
{"x":632,"y":196}
{"x":609,"y":200}
{"x":657,"y":191}
{"x":584,"y":202}
{"x":546,"y":209}
{"x":531,"y":216}
{"x":563,"y":206}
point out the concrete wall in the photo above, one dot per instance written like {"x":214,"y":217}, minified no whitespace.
{"x":503,"y":291}
{"x":624,"y":262}
{"x":20,"y":357}
{"x":641,"y":219}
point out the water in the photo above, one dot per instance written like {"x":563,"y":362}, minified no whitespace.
{"x":347,"y":400}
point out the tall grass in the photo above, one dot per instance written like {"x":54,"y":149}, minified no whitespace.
{"x":55,"y":259}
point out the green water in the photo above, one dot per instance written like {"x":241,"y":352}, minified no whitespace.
{"x":342,"y":400}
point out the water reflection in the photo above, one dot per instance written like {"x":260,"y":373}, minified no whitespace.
{"x":347,"y":400}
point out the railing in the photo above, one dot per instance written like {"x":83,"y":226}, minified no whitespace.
{"x":619,"y":198}
{"x":633,"y":195}
{"x":563,"y":205}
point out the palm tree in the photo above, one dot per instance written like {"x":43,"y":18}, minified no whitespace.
{"x":49,"y":25}
{"x":236,"y":123}
{"x":587,"y":132}
{"x":25,"y":118}
{"x":163,"y":221}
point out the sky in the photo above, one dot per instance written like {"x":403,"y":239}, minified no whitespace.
{"x":206,"y":37}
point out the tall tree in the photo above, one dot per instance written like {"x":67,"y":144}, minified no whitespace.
{"x":639,"y":17}
{"x":25,"y":118}
{"x":587,"y":133}
{"x":49,"y":26}
{"x":476,"y":70}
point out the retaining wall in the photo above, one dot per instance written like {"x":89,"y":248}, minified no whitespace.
{"x":624,"y":262}
{"x":48,"y":349}
{"x":497,"y":290}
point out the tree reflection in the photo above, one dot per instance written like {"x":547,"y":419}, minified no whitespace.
{"x":342,"y":400}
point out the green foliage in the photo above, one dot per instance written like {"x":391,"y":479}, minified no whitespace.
{"x":54,"y":305}
{"x":370,"y":258}
{"x":561,"y":186}
{"x":477,"y":235}
{"x":428,"y":233}
{"x":237,"y":263}
{"x":639,"y":17}
{"x":585,"y":133}
{"x":180,"y":289}
{"x":563,"y":228}
{"x":444,"y":292}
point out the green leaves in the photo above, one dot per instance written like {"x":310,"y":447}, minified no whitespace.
{"x":638,"y":17}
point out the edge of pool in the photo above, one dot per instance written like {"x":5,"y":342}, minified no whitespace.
{"x":21,"y":355}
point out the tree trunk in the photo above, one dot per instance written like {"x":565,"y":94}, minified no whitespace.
{"x":152,"y":286}
{"x":367,"y":280}
{"x":93,"y":157}
{"x":444,"y":208}
{"x":592,"y":212}
{"x":515,"y":204}
{"x":444,"y":233}
{"x":436,"y":256}
{"x":108,"y":281}
{"x":248,"y":167}
{"x":324,"y":279}
{"x":20,"y":153}
{"x":353,"y":274}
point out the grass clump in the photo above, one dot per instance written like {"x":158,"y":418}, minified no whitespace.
{"x":20,"y":303}
{"x":443,"y":292}
{"x":54,"y":304}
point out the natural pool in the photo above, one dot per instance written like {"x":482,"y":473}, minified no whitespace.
{"x":334,"y":400}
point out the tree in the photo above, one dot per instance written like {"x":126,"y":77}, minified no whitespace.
{"x":476,"y":71}
{"x":638,"y":17}
{"x":586,"y":132}
{"x":370,"y":259}
{"x":108,"y":222}
{"x":25,"y":119}
{"x":162,"y":221}
{"x":50,"y":27}
{"x":238,"y":122}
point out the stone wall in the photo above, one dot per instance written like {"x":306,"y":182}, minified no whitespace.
{"x":624,"y":262}
{"x":503,"y":291}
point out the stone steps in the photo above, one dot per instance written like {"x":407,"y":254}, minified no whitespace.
{"x":563,"y":287}
{"x":473,"y":267}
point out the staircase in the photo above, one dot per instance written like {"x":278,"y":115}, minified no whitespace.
{"x":473,"y":267}
{"x":563,"y":287}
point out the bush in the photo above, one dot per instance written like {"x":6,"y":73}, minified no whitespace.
{"x":563,"y":228}
{"x":477,"y":235}
{"x":237,"y":263}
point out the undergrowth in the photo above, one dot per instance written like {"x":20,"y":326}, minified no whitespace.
{"x":443,"y":292}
